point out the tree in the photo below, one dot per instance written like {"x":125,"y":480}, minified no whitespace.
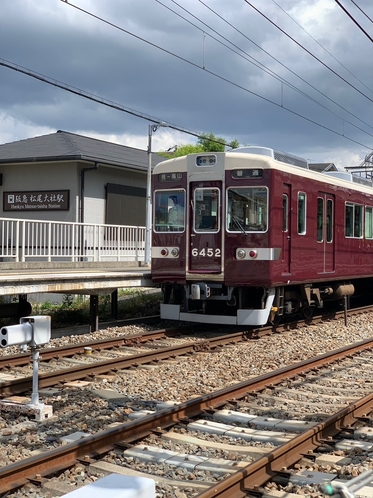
{"x":206,"y":143}
{"x":210,"y":143}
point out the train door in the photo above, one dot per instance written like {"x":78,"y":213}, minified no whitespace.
{"x":286,"y":229}
{"x":325,"y":232}
{"x":205,"y":230}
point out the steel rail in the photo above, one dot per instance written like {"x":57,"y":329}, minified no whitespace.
{"x":48,"y":354}
{"x":17,"y":474}
{"x":113,"y":365}
{"x":258,"y":473}
{"x":90,"y":370}
{"x":20,"y":359}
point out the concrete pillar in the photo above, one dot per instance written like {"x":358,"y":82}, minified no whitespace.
{"x":93,"y":313}
{"x":114,"y":304}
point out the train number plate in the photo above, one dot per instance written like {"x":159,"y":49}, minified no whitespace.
{"x":209,"y":252}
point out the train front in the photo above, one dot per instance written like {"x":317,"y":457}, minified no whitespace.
{"x":210,"y":224}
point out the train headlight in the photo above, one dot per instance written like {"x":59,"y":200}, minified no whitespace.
{"x":240,"y":253}
{"x":164,"y":252}
{"x":253,"y":254}
{"x":175,"y":252}
{"x":206,"y":160}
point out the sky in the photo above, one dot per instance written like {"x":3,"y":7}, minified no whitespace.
{"x":293,"y":75}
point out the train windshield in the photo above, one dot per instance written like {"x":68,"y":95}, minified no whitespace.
{"x":169,"y":211}
{"x":247,"y":209}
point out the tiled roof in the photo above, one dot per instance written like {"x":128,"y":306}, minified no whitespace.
{"x":64,"y":146}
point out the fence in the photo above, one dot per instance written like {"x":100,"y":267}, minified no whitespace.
{"x":35,"y":240}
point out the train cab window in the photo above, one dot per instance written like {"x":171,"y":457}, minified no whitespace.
{"x":247,"y":209}
{"x":169,"y":211}
{"x":354,"y":220}
{"x":206,"y":210}
{"x":369,"y":223}
{"x":302,"y":212}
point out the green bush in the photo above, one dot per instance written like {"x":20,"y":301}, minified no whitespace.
{"x":74,"y":310}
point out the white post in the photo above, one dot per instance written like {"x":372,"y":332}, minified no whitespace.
{"x":148,"y":198}
{"x":152,"y":129}
{"x":35,"y":377}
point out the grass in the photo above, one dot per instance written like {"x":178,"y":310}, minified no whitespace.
{"x":74,"y":310}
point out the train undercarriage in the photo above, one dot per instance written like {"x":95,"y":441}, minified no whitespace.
{"x":217,"y":303}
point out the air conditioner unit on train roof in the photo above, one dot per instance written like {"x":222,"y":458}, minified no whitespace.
{"x":283,"y":157}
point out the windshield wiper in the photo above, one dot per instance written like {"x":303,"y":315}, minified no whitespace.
{"x":238,"y":223}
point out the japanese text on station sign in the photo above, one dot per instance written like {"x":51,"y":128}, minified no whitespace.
{"x":45,"y":200}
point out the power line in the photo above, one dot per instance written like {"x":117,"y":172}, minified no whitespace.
{"x":96,"y":98}
{"x":119,"y":107}
{"x":149,"y":118}
{"x":216,"y":75}
{"x":308,"y":51}
{"x":354,"y":20}
{"x":361,"y":10}
{"x":320,"y":45}
{"x":269,"y":71}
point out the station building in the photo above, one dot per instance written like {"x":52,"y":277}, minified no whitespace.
{"x":68,"y":177}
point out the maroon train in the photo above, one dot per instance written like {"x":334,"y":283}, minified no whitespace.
{"x":248,"y":236}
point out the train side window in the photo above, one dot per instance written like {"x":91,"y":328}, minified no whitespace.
{"x":285,"y":204}
{"x":329,"y":220}
{"x":354,"y":220}
{"x":369,"y":223}
{"x":358,"y":221}
{"x":349,"y":220}
{"x":302,"y":212}
{"x":320,"y":219}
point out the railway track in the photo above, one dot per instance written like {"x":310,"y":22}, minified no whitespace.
{"x":200,"y":422}
{"x":122,"y":348}
{"x":125,"y":352}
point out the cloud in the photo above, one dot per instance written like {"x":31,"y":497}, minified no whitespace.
{"x":189,"y":67}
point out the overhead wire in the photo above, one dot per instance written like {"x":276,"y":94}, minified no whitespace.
{"x":98,"y":99}
{"x":353,"y":20}
{"x":320,"y":45}
{"x":204,"y":69}
{"x":308,"y":51}
{"x":283,"y":65}
{"x":361,"y":10}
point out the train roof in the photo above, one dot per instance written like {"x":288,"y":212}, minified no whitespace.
{"x":283,"y":157}
{"x":267,"y":158}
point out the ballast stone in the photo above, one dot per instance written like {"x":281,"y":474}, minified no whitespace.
{"x":116,"y":486}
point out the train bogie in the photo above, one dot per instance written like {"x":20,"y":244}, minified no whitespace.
{"x":246,"y":237}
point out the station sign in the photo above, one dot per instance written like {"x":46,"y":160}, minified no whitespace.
{"x":39,"y":200}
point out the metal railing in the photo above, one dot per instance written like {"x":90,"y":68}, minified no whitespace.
{"x":35,"y":240}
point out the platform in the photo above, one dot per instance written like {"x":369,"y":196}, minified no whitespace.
{"x":96,"y":280}
{"x":87,"y":281}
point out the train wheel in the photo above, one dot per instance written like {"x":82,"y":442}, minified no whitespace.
{"x":308,"y":312}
